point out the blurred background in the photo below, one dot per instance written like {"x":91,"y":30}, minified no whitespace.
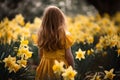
{"x":32,"y":8}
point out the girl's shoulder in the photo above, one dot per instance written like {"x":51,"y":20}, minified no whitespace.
{"x":69,"y":39}
{"x":67,"y":33}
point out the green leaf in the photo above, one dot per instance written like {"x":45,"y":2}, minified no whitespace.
{"x":2,"y":56}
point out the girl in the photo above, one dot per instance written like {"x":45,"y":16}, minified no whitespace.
{"x":54,"y":43}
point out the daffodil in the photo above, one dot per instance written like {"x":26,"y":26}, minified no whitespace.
{"x":28,"y":55}
{"x":109,"y":74}
{"x":27,"y":25}
{"x":34,"y":38}
{"x":69,"y":73}
{"x":22,"y":62}
{"x":89,"y":52}
{"x":90,"y":39}
{"x":15,"y":67}
{"x":9,"y":61}
{"x":24,"y":52}
{"x":80,"y":54}
{"x":25,"y":32}
{"x":58,"y":67}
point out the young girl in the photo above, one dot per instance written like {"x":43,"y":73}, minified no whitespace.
{"x":54,"y":43}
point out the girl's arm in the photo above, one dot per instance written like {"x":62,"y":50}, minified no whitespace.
{"x":69,"y":57}
{"x":40,"y":53}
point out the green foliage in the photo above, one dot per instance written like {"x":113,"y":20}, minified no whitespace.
{"x":21,"y":74}
{"x":97,"y":62}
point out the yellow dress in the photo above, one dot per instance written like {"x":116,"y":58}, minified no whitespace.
{"x":44,"y":70}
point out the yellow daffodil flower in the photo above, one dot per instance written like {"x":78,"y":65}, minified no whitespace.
{"x":22,"y":62}
{"x":109,"y":74}
{"x":90,"y":39}
{"x":23,"y":51}
{"x":58,"y":67}
{"x":80,"y":54}
{"x":25,"y":32}
{"x":69,"y":73}
{"x":16,"y":67}
{"x":89,"y":52}
{"x":20,"y":19}
{"x":27,"y":25}
{"x":34,"y":38}
{"x":9,"y":61}
{"x":24,"y":42}
{"x":28,"y":55}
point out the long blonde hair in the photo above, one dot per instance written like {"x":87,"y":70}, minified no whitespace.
{"x":51,"y":35}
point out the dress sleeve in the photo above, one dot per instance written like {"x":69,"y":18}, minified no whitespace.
{"x":69,"y":40}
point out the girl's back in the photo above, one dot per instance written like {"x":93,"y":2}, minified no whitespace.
{"x":54,"y":43}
